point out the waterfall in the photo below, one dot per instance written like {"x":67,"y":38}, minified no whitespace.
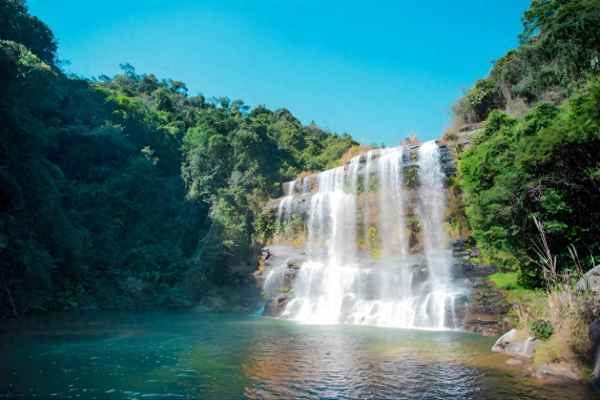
{"x":390,"y":281}
{"x":284,"y":210}
{"x":431,"y":210}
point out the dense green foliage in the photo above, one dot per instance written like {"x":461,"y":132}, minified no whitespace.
{"x":541,"y":329}
{"x":127,"y":192}
{"x":545,"y":163}
{"x":560,"y":47}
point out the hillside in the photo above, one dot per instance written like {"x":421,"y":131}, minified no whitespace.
{"x":127,"y":192}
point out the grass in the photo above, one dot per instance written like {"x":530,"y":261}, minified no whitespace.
{"x":508,"y":283}
{"x":506,"y":280}
{"x":528,"y":304}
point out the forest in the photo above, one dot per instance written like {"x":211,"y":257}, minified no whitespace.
{"x":129,"y":192}
{"x":534,"y":153}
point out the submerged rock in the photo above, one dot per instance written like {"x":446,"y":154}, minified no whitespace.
{"x":512,"y":343}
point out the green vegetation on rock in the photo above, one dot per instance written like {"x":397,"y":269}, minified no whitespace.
{"x":559,"y":48}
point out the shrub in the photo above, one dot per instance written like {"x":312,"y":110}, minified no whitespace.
{"x":541,"y":329}
{"x":479,"y":101}
{"x":518,"y":169}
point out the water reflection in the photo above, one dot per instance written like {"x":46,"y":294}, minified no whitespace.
{"x":193,"y":356}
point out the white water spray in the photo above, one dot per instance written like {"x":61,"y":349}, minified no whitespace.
{"x":387,"y":284}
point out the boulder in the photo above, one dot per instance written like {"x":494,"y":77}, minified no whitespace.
{"x":590,"y":281}
{"x":275,"y":306}
{"x":513,"y":344}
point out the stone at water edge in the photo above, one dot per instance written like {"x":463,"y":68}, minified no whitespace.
{"x":510,"y":343}
{"x":590,"y":281}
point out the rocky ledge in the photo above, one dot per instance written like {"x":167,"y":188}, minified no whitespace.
{"x":487,"y":307}
{"x":304,"y":188}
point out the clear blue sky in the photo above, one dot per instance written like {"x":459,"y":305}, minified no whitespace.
{"x":379,"y":70}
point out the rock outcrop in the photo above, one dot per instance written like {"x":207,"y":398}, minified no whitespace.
{"x":487,"y":306}
{"x":303,"y":189}
{"x":590,"y":281}
{"x":282,"y":263}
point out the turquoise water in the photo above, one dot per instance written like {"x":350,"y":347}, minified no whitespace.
{"x":208,"y":356}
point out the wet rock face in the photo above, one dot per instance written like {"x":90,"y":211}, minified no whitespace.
{"x":469,"y":270}
{"x":283,"y":262}
{"x":447,"y":161}
{"x":276,"y":305}
{"x":304,"y":188}
{"x":486,"y":306}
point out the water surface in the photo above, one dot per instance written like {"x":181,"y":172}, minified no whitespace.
{"x":208,"y":356}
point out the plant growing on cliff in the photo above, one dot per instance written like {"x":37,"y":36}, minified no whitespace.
{"x":559,"y":48}
{"x":373,"y":242}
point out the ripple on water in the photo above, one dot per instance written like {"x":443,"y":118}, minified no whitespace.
{"x":232,"y":357}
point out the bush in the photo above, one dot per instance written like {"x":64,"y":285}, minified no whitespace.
{"x":479,"y":102}
{"x":541,"y":329}
{"x":559,"y":49}
{"x":518,"y":169}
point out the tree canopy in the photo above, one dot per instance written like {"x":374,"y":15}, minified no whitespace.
{"x":541,"y":162}
{"x":127,"y":191}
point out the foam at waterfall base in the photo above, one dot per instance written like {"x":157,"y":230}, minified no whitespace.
{"x":371,"y":296}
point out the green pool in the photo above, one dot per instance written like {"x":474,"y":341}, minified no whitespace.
{"x":230,"y":356}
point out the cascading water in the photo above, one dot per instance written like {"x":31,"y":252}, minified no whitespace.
{"x":361,"y":265}
{"x":284,"y":211}
{"x":431,"y":210}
